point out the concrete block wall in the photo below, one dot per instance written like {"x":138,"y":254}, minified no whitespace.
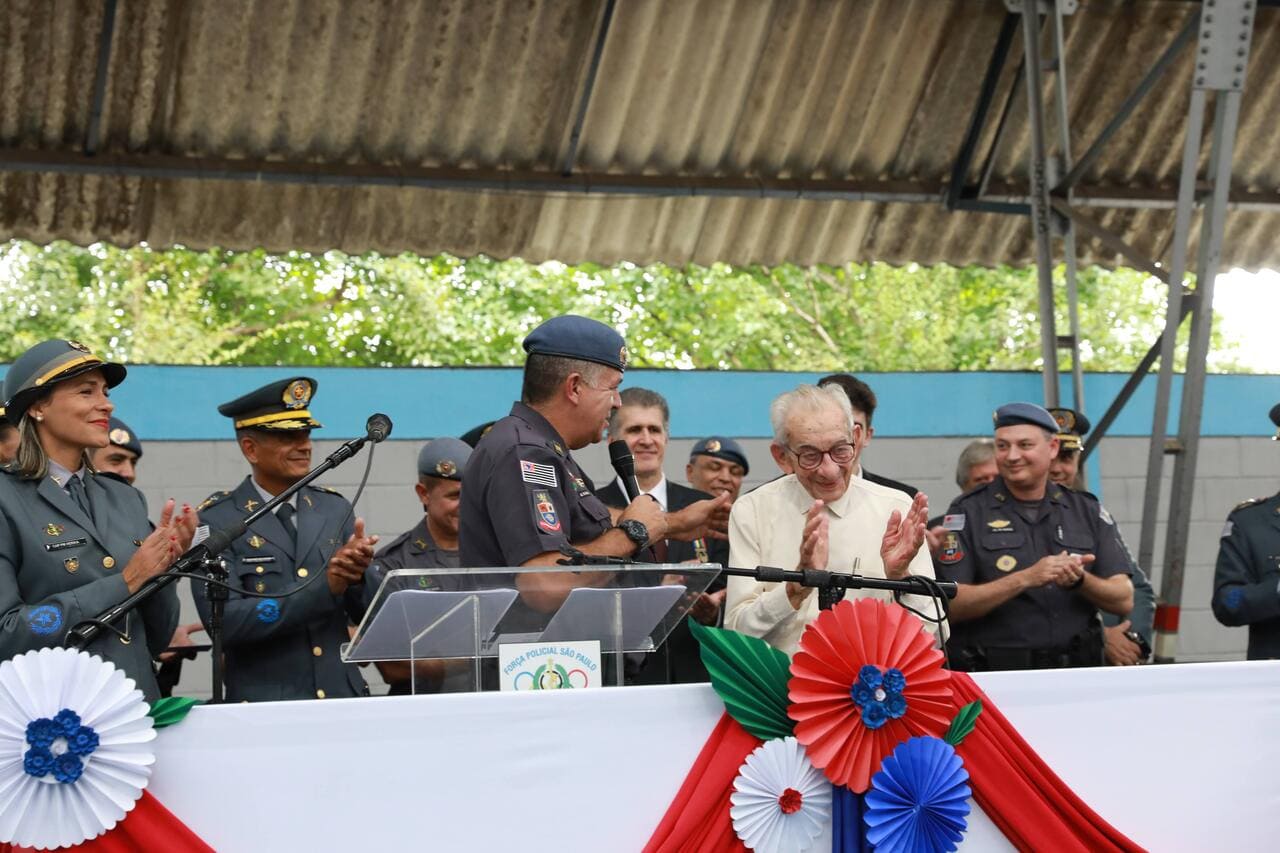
{"x":1231,"y":469}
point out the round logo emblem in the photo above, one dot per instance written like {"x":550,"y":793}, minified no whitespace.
{"x":622,"y":357}
{"x":298,"y":394}
{"x":76,"y":345}
{"x":713,"y":446}
{"x":1006,"y":562}
{"x":446,"y":468}
{"x":119,"y":436}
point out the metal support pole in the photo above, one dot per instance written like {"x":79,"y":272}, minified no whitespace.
{"x":1068,"y":225}
{"x":1226,"y":116}
{"x":1168,"y":341}
{"x":1039,"y":192}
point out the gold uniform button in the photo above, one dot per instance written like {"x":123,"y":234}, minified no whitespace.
{"x":319,"y":694}
{"x":108,"y":562}
{"x":317,"y":651}
{"x":259,"y":570}
{"x":302,"y":573}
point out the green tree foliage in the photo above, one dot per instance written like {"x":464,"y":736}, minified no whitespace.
{"x":180,"y":306}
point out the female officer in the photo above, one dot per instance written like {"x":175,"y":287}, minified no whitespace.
{"x":73,"y":544}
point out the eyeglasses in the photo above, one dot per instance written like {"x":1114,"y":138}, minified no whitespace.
{"x":809,"y":458}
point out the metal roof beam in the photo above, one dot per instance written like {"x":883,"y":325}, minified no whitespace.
{"x":94,"y":132}
{"x":1111,"y":240}
{"x":978,"y":120}
{"x":1004,"y":198}
{"x":1136,"y":97}
{"x":588,"y":87}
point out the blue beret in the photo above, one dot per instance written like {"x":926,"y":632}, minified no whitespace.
{"x":120,"y":435}
{"x":721,"y":448}
{"x":46,"y":363}
{"x":1012,"y":414}
{"x":443,"y":457}
{"x":279,"y":406}
{"x":571,"y":336}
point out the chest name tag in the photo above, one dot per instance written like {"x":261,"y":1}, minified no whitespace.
{"x":70,"y":543}
{"x":264,"y":558}
{"x":953,"y":522}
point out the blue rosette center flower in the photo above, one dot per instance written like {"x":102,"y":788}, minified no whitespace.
{"x":58,"y":746}
{"x":878,"y":695}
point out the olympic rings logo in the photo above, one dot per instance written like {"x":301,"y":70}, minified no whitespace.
{"x":550,"y":676}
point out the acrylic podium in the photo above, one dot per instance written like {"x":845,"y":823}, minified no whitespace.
{"x":463,"y":616}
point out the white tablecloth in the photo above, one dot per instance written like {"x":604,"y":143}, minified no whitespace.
{"x":1182,"y":757}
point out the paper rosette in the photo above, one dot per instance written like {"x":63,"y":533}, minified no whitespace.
{"x":919,"y":800}
{"x":75,"y":748}
{"x":780,"y":802}
{"x":826,"y":669}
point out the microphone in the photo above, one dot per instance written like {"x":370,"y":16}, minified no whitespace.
{"x":624,"y":465}
{"x":378,"y":427}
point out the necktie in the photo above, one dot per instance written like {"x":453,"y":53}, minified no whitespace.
{"x":285,"y":513}
{"x":75,"y":488}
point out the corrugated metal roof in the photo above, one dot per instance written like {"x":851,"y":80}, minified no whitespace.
{"x":876,"y":92}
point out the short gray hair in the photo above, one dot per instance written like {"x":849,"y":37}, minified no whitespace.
{"x":807,"y":399}
{"x":975,"y":453}
{"x":641,"y":398}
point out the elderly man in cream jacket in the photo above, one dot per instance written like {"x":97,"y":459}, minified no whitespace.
{"x":819,"y":516}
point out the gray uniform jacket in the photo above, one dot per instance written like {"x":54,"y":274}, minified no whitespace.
{"x":413,"y":549}
{"x":1246,"y":581}
{"x":58,"y":567}
{"x":285,"y":647}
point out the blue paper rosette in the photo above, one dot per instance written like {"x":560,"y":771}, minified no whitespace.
{"x":919,"y":801}
{"x":75,"y":747}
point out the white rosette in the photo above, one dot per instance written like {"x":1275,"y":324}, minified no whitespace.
{"x":756,"y":803}
{"x":42,"y":812}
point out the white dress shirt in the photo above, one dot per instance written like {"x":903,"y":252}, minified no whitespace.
{"x":659,"y":492}
{"x":765,"y":529}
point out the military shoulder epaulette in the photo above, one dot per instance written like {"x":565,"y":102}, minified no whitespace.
{"x":1249,"y":502}
{"x":213,"y":499}
{"x":327,"y":489}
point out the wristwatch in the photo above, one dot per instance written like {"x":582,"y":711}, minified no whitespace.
{"x":636,"y":531}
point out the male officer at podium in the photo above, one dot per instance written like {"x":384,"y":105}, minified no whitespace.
{"x":524,"y":495}
{"x":1246,"y":580}
{"x":304,"y":563}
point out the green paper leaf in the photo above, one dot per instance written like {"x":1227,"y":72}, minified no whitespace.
{"x":965,"y":721}
{"x":170,"y":710}
{"x":751,"y":678}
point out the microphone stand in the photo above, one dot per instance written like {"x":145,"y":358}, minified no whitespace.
{"x":831,"y":586}
{"x":833,"y":583}
{"x":206,"y":558}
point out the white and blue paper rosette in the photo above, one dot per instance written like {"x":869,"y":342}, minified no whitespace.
{"x":780,"y":802}
{"x":75,"y":747}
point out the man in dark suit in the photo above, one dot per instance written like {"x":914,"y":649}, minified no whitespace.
{"x":643,"y":421}
{"x":863,"y":401}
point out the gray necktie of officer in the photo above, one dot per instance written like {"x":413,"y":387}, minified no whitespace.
{"x":75,"y":488}
{"x":285,"y":513}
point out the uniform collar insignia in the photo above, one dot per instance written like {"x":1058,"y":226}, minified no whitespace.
{"x":251,"y":504}
{"x":421,"y":543}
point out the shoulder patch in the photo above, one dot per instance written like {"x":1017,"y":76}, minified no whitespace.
{"x":1105,"y":516}
{"x":1227,"y":529}
{"x":214,"y":498}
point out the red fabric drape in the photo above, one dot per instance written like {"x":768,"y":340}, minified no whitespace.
{"x":698,"y":819}
{"x":149,"y":827}
{"x":1012,"y":784}
{"x":1033,"y":807}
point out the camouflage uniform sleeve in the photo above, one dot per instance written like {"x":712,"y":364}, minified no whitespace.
{"x":1242,"y":594}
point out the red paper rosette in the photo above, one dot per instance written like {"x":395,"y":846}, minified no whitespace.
{"x":833,"y":650}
